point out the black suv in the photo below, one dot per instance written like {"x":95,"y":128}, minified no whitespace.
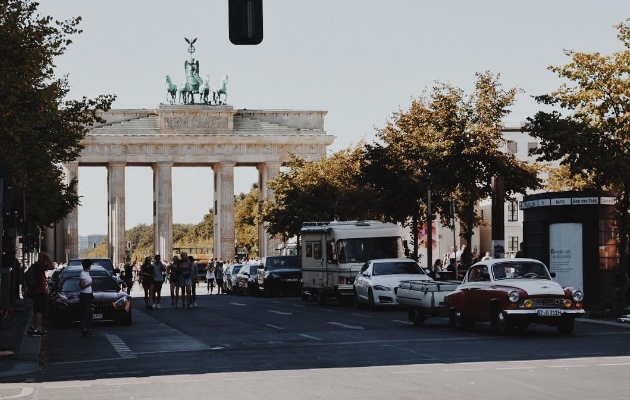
{"x":280,"y":274}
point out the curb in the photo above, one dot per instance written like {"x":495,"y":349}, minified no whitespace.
{"x":604,"y":322}
{"x":27,"y":357}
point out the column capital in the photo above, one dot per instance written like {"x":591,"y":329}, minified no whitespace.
{"x":72,"y":164}
{"x":226,"y":164}
{"x":270,"y":164}
{"x":164,"y":164}
{"x":116,"y":164}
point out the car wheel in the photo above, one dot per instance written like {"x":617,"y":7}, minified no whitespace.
{"x":457,"y":320}
{"x":371,"y":304}
{"x":321,"y":298}
{"x":417,"y":317}
{"x":500,"y":324}
{"x":355,"y":300}
{"x":565,"y":327}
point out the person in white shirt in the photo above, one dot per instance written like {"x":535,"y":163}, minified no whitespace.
{"x":85,"y":298}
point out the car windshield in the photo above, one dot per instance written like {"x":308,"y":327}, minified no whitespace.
{"x":105,"y":263}
{"x":397,"y":268}
{"x":273,"y":263}
{"x":99,"y":284}
{"x":524,"y":270}
{"x":364,"y":249}
{"x":236,"y":268}
{"x":253,"y":269}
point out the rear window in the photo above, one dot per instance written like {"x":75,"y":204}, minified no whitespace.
{"x":105,"y":263}
{"x":253,"y":269}
{"x":99,"y":284}
{"x":273,"y":263}
{"x":236,"y":268}
{"x":397,"y":268}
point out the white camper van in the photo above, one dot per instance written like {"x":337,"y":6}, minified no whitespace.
{"x":334,"y":252}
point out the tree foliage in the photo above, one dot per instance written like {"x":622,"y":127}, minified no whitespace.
{"x":246,"y":220}
{"x":39,"y":128}
{"x":588,"y":131}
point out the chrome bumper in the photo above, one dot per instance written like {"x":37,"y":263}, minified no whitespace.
{"x":535,"y":312}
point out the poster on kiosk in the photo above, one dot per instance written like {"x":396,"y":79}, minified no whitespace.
{"x":565,"y":254}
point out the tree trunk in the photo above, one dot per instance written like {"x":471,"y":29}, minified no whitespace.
{"x":469,"y":218}
{"x":414,"y":232}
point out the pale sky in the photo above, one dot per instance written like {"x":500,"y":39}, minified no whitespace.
{"x":359,"y":60}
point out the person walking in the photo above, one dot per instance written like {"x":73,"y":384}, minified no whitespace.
{"x":210,"y":276}
{"x":85,"y":298}
{"x":146,"y":277}
{"x":194,"y":273}
{"x":38,"y":293}
{"x":218,"y":275}
{"x":185,"y":281}
{"x":128,"y":278}
{"x":158,"y":277}
{"x":173,"y":276}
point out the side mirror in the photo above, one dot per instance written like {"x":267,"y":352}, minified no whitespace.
{"x":553,"y":274}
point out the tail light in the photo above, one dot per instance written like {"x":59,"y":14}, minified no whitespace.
{"x":342,"y":280}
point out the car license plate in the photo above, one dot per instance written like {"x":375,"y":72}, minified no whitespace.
{"x":554,"y":312}
{"x":97,"y":316}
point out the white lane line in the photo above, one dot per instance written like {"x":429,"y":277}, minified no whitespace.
{"x":566,"y":366}
{"x":309,"y":336}
{"x":66,"y":387}
{"x":346,"y":326}
{"x":299,"y":305}
{"x":275,"y":327}
{"x":362,"y":315}
{"x":613,"y":365}
{"x":278,"y":302}
{"x":402,"y":322}
{"x":120,"y":346}
{"x":279,"y":312}
{"x":408,"y":372}
{"x":126,"y":383}
{"x":237,"y":304}
{"x":25,"y":392}
{"x":514,"y":368}
{"x":326,"y":309}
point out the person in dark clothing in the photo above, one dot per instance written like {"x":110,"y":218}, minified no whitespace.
{"x":38,"y":293}
{"x":146,"y":276}
{"x":521,"y":252}
{"x":128,"y":278}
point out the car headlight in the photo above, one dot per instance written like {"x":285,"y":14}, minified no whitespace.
{"x":381,"y":287}
{"x":513,"y":296}
{"x":578,"y":296}
{"x":121,"y":303}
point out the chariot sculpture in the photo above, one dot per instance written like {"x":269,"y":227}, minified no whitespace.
{"x":193,"y":84}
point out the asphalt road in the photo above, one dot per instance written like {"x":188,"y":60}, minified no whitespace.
{"x":247,"y":347}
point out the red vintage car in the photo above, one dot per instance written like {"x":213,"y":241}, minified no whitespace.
{"x":513,"y":293}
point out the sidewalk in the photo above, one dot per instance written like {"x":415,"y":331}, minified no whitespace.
{"x":25,"y":359}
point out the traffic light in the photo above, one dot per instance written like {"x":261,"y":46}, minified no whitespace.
{"x":246,"y":21}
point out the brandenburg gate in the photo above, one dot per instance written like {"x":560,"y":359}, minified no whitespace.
{"x":172,"y":135}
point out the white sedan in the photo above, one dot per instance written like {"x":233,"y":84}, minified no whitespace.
{"x":377,"y":279}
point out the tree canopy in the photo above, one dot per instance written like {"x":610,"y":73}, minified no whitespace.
{"x":246,"y":220}
{"x":39,"y":128}
{"x":588,"y":129}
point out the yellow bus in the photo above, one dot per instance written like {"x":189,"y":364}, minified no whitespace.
{"x":201,"y":254}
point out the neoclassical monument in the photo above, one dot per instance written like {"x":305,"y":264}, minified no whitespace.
{"x":191,"y":135}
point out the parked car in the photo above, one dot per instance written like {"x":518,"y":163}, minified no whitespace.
{"x":96,"y":262}
{"x":280,"y":274}
{"x":110,"y":302}
{"x":229,"y":279}
{"x":512,"y":293}
{"x":377,"y":280}
{"x":54,"y":284}
{"x":246,"y":280}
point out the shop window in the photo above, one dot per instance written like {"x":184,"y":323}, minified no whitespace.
{"x":513,"y":211}
{"x":309,"y":249}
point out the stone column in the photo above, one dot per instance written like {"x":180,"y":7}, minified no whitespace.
{"x":116,"y":212}
{"x":266,"y":244}
{"x":224,"y":233}
{"x":163,"y":209}
{"x":71,"y":222}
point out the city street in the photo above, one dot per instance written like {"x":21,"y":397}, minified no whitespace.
{"x":250,"y":347}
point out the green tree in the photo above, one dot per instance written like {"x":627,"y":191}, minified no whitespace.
{"x":589,"y":127}
{"x":100,"y":251}
{"x":39,"y":129}
{"x":246,"y":220}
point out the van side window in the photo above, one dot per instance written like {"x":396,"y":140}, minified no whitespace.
{"x":332,"y":254}
{"x":317,"y":250}
{"x":309,"y":249}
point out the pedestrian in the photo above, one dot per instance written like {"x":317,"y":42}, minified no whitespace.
{"x":173,"y":277}
{"x":194,"y":273}
{"x":437,"y":266}
{"x":128,"y":278}
{"x":521,"y":251}
{"x":210,"y":276}
{"x":38,"y":293}
{"x":85,"y":298}
{"x":486,"y":257}
{"x":158,"y":277}
{"x":218,"y":275}
{"x":146,"y":277}
{"x":185,"y":281}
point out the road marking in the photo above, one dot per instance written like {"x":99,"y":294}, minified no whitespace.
{"x":277,"y":302}
{"x":463,"y":369}
{"x":514,"y":368}
{"x":326,"y":309}
{"x":242,"y":379}
{"x":408,"y":372}
{"x":126,"y":383}
{"x":613,"y":365}
{"x":279,"y":312}
{"x":402,"y":322}
{"x":566,"y":366}
{"x":120,"y":346}
{"x":309,"y":336}
{"x":362,"y":315}
{"x":26,"y":391}
{"x":237,"y":304}
{"x":66,"y":387}
{"x":275,"y":327}
{"x":346,"y":326}
{"x":299,"y":305}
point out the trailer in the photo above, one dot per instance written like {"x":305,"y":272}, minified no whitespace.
{"x":424,"y":299}
{"x":334,"y":252}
